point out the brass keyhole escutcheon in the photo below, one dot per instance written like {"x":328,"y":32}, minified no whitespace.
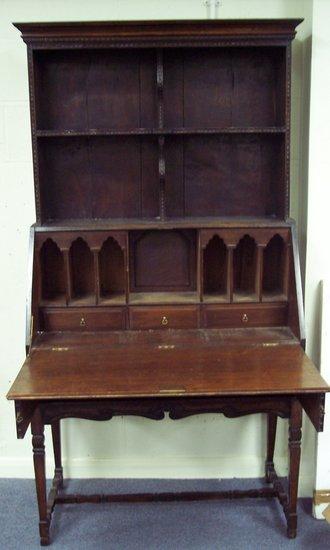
{"x":245,"y":318}
{"x":164,"y":321}
{"x":82,"y":322}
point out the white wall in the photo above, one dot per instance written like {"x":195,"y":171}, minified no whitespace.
{"x":318,"y":258}
{"x":206,"y":446}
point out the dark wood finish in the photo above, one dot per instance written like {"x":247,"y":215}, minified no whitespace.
{"x":164,"y":271}
{"x":83,"y":319}
{"x":248,"y":315}
{"x":199,"y":365}
{"x":56,"y":437}
{"x":24,"y":411}
{"x":163,"y":317}
{"x":50,"y":413}
{"x":271,"y":437}
{"x":314,"y":407}
{"x":163,"y":261}
{"x":38,"y":445}
{"x":295,"y":423}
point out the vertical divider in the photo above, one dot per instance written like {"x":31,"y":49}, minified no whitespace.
{"x":161,"y":138}
{"x":161,"y":171}
{"x":259,"y":271}
{"x":68,"y":275}
{"x":160,"y":89}
{"x":199,"y":267}
{"x":230,"y":272}
{"x":39,"y":274}
{"x":97,"y":288}
{"x":126,"y":268}
{"x":286,"y":269}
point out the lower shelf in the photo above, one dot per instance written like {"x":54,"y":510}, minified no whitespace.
{"x":163,"y":298}
{"x":244,"y":296}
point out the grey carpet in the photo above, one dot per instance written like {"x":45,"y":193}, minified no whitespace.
{"x":228,"y":524}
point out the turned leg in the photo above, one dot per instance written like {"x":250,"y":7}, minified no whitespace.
{"x":56,"y":436}
{"x":295,"y":423}
{"x":271,"y":437}
{"x":38,"y":439}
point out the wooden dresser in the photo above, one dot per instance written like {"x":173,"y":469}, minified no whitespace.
{"x":164,"y":267}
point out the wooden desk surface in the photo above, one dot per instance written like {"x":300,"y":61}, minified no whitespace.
{"x":159,"y":363}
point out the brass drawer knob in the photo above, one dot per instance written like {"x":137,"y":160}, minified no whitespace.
{"x":245,"y":318}
{"x":82,"y":322}
{"x":164,"y":321}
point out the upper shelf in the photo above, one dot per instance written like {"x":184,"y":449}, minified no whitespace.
{"x":163,"y":131}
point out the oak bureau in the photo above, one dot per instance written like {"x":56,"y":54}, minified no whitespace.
{"x":164,"y":266}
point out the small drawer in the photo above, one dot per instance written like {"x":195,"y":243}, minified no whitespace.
{"x":83,"y":319}
{"x":163,"y":317}
{"x":232,"y":316}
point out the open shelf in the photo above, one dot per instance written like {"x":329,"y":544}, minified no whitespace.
{"x":97,"y":88}
{"x":224,"y":175}
{"x":215,"y":268}
{"x":275,"y":270}
{"x":82,"y":273}
{"x":53,"y":286}
{"x":99,"y":177}
{"x":112,"y":273}
{"x":244,"y":270}
{"x":224,"y":87}
{"x":160,"y":131}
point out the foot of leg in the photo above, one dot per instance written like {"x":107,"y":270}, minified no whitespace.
{"x":271,"y":437}
{"x":56,"y":436}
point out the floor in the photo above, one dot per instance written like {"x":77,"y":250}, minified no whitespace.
{"x":228,"y":524}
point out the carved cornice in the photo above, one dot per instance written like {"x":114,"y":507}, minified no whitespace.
{"x":155,"y":33}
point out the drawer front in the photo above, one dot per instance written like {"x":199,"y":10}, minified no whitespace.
{"x":83,"y":319}
{"x":232,"y":316}
{"x":163,"y":317}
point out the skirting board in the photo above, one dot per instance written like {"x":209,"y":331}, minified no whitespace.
{"x":321,"y":501}
{"x":176,"y":468}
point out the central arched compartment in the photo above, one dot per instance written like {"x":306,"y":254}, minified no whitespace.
{"x":163,"y":266}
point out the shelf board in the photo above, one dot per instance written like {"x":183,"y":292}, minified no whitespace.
{"x":244,"y":296}
{"x":140,"y":298}
{"x":214,"y":298}
{"x":56,"y":301}
{"x":84,"y":300}
{"x":160,"y":131}
{"x":116,"y":298}
{"x":274,"y":296}
{"x":156,"y":223}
